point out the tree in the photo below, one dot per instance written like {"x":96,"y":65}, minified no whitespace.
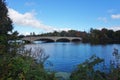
{"x":5,"y":25}
{"x":14,"y":35}
{"x":85,"y":71}
{"x":117,"y":36}
{"x":63,"y":33}
{"x":5,"y":28}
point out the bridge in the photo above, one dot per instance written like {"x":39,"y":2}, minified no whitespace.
{"x":51,"y":39}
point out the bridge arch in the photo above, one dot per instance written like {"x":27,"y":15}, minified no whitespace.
{"x":75,"y":40}
{"x":45,"y":39}
{"x":63,"y":40}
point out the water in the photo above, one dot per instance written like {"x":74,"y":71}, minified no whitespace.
{"x":65,"y":56}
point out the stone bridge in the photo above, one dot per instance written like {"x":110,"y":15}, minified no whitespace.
{"x":52,"y":39}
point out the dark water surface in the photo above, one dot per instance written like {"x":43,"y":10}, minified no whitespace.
{"x":65,"y":56}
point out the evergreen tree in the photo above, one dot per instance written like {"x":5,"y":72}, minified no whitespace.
{"x":5,"y":26}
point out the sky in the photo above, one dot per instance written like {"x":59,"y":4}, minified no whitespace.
{"x":41,"y":16}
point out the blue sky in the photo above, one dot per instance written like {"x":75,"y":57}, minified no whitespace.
{"x":41,"y":16}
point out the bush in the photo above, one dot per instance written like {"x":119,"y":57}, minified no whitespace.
{"x":86,"y":71}
{"x":24,"y":64}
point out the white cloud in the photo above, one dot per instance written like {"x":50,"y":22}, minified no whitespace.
{"x":115,"y":28}
{"x":115,"y":16}
{"x":104,"y":19}
{"x":27,"y":19}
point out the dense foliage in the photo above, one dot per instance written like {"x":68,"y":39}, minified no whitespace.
{"x":5,"y":26}
{"x":70,"y":33}
{"x":104,"y":36}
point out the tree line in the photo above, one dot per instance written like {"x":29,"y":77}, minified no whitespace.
{"x":93,"y":36}
{"x":103,"y":36}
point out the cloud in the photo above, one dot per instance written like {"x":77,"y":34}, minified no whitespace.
{"x":104,"y":19}
{"x":115,"y":28}
{"x":27,"y":19}
{"x":115,"y":16}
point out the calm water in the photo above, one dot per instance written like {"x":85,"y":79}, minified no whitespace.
{"x":65,"y":56}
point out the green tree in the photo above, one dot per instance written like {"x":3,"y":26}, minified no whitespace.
{"x":5,"y":26}
{"x":110,"y":34}
{"x":117,"y":36}
{"x":63,"y":33}
{"x":55,"y":33}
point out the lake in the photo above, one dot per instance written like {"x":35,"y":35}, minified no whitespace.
{"x":65,"y":56}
